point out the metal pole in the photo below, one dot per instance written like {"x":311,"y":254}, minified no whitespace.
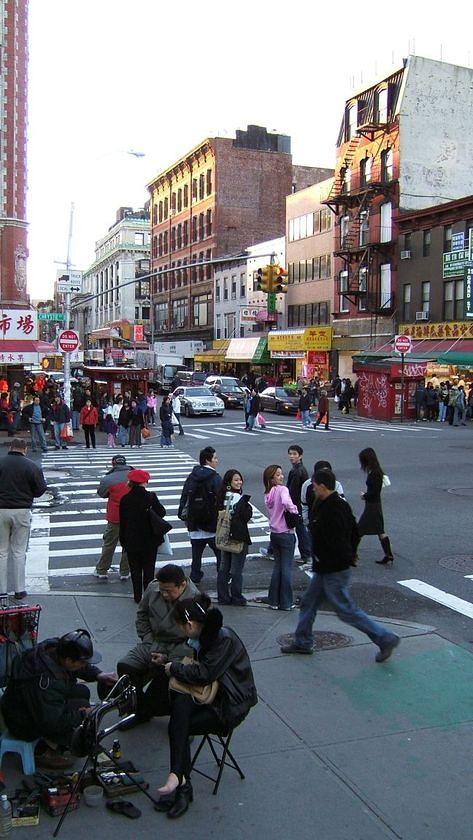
{"x":402,"y":387}
{"x":67,"y":316}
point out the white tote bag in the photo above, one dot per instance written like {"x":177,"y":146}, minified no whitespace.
{"x":165,"y":549}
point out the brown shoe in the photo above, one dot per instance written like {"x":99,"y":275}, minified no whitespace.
{"x":51,"y":760}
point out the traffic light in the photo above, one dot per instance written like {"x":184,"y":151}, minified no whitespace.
{"x":264,"y":279}
{"x":280,"y":280}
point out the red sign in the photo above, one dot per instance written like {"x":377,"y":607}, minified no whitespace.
{"x":138,"y":332}
{"x":402,"y":343}
{"x":68,"y":341}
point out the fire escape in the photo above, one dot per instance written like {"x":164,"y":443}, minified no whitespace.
{"x":362,"y":245}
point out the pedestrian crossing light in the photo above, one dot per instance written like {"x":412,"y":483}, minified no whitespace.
{"x":280,"y":280}
{"x":264,"y":279}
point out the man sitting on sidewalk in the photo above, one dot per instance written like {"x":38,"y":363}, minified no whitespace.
{"x":159,"y":632}
{"x":113,"y":486}
{"x":334,"y":541}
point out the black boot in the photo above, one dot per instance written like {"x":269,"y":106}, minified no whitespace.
{"x":184,"y":796}
{"x":388,"y":553}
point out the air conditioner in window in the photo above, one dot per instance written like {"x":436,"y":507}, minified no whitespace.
{"x":405,"y":255}
{"x":422,"y":316}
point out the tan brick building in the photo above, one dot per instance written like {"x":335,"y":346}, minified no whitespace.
{"x":217,"y":199}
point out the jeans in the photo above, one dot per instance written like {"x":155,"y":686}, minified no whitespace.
{"x":305,"y":546}
{"x":231,"y":566}
{"x":58,"y":427}
{"x":75,"y":420}
{"x":280,"y":588}
{"x":38,"y":436}
{"x":459,"y":414}
{"x":251,"y":421}
{"x":122,"y":436}
{"x":305,"y":416}
{"x":442,"y":412}
{"x":15,"y":526}
{"x":110,"y":541}
{"x":198,"y":546}
{"x":334,"y":587}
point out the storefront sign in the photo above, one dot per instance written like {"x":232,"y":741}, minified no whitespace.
{"x":446,"y":329}
{"x":288,"y":354}
{"x":458,"y":241}
{"x":18,"y":324}
{"x":318,"y":338}
{"x":138,"y":332}
{"x":18,"y":358}
{"x":250,"y":313}
{"x":455,"y":263}
{"x":311,"y":338}
{"x":468,"y":295}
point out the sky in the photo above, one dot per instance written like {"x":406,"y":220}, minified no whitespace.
{"x":110,"y":76}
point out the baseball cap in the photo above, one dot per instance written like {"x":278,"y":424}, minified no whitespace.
{"x":119,"y":459}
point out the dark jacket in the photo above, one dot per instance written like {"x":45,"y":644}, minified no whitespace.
{"x":200,"y":475}
{"x":165,"y":413}
{"x":137,"y":417}
{"x":322,"y":407}
{"x":60,"y":413}
{"x":374,"y":485}
{"x":334,"y":535}
{"x":21,"y":481}
{"x":136,"y":535}
{"x":255,"y":405}
{"x":124,"y":416}
{"x":297,"y":475}
{"x":240,"y":518}
{"x":223,"y":657}
{"x":34,"y":704}
{"x":305,"y":402}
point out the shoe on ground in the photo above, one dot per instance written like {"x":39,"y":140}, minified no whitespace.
{"x":273,"y":607}
{"x":287,"y":609}
{"x":100,"y":576}
{"x":239,"y":602}
{"x":295,"y":648}
{"x":51,"y":760}
{"x":386,"y":651}
{"x":302,"y":561}
{"x":18,"y":596}
{"x":124,"y":577}
{"x":265,"y":553}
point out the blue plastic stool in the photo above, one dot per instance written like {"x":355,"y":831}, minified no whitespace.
{"x":25,"y":749}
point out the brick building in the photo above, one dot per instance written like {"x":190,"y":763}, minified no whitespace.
{"x":219,"y":198}
{"x":13,"y":173}
{"x":396,"y":151}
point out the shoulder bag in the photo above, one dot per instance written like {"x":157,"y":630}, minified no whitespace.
{"x":223,"y":540}
{"x":158,"y":525}
{"x":204,"y":695}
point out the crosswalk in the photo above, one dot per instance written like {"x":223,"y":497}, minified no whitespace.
{"x":66,"y":542}
{"x":446,"y":599}
{"x":290,"y":426}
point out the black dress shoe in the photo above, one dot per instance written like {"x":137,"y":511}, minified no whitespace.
{"x":183,"y":797}
{"x":165,"y":802}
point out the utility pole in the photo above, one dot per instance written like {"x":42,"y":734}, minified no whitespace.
{"x":67,"y":315}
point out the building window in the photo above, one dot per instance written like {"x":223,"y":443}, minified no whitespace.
{"x":173,"y":202}
{"x":351,"y":121}
{"x":387,"y":165}
{"x":297,"y":229}
{"x":186,"y":195}
{"x":139,"y":239}
{"x":459,"y":312}
{"x":291,"y":230}
{"x":310,"y":224}
{"x":425,"y":296}
{"x":302,"y":227}
{"x":165,"y":242}
{"x":325,"y":266}
{"x":302,"y":271}
{"x":406,"y":302}
{"x":426,"y":241}
{"x":468,"y":232}
{"x":385,"y":222}
{"x":362,"y":288}
{"x":218,"y":326}
{"x":186,"y":233}
{"x":344,"y":227}
{"x":364,"y":228}
{"x":365,"y":171}
{"x":194,"y":228}
{"x":201,"y":186}
{"x":242,"y":285}
{"x":173,"y":239}
{"x":325,"y":220}
{"x":408,"y":242}
{"x":179,"y":236}
{"x":343,"y":287}
{"x":208,"y":268}
{"x":381,"y":106}
{"x":161,"y":316}
{"x":166,"y":207}
{"x":200,"y":305}
{"x":155,"y":214}
{"x":179,"y":313}
{"x":160,"y":211}
{"x":234,"y":285}
{"x":201,"y":226}
{"x":217,"y":290}
{"x":155,"y":246}
{"x":209,"y":181}
{"x":385,"y":286}
{"x":447,"y":239}
{"x":225,"y":288}
{"x":208,"y":222}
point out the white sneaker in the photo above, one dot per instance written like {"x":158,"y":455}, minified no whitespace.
{"x":124,"y":577}
{"x":100,"y":576}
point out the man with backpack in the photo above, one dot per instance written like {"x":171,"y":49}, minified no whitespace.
{"x":198,"y":509}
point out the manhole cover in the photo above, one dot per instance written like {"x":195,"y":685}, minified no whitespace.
{"x":458,"y":563}
{"x":461,"y":491}
{"x":322,"y":640}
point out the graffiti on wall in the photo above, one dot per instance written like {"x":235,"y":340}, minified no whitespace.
{"x":373,"y":392}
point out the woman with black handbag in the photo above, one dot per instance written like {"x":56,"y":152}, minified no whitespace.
{"x":283,"y":517}
{"x":137,"y":534}
{"x":230,"y":573}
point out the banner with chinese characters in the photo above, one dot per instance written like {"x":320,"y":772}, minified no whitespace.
{"x":445,"y":329}
{"x":16,"y":324}
{"x":311,"y":338}
{"x":15,"y":358}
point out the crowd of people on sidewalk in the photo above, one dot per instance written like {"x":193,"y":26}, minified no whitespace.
{"x":444,"y":402}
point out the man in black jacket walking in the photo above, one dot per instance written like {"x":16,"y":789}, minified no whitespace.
{"x":198,"y":509}
{"x":21,"y":481}
{"x":334,"y":541}
{"x":296,"y":478}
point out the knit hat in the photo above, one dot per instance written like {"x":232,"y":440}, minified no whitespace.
{"x":139,"y":476}
{"x":119,"y":459}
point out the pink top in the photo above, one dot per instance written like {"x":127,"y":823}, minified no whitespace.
{"x":277,"y":501}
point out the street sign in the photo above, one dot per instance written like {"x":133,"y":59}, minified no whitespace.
{"x":50,"y":316}
{"x":69,"y":281}
{"x":468,"y":292}
{"x":402,"y":344}
{"x":68,"y":341}
{"x":458,"y":241}
{"x":454,"y":263}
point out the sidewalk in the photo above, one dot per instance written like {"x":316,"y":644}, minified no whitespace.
{"x":339,"y":747}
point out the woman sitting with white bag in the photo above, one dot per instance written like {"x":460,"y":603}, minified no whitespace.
{"x":232,"y":538}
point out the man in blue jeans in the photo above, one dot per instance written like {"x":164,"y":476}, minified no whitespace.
{"x":296,"y":478}
{"x":334,"y":541}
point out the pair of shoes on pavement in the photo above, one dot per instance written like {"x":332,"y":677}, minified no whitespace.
{"x":101,"y":576}
{"x":383,"y":654}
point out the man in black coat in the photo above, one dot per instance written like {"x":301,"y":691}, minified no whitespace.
{"x":334,"y":541}
{"x":198,"y":509}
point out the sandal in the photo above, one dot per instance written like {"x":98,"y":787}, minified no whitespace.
{"x":121,"y":806}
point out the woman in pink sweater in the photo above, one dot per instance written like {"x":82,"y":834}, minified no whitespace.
{"x":283,"y":541}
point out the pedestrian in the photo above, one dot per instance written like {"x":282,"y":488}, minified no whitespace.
{"x":220,"y":654}
{"x":136,"y":424}
{"x":304,"y":407}
{"x":165,"y":416}
{"x":420,"y":402}
{"x":124,"y":418}
{"x":151,"y":403}
{"x":246,"y":408}
{"x":21,"y":481}
{"x":459,"y":407}
{"x":443,"y":402}
{"x":136,"y":534}
{"x":176,"y":410}
{"x":15,"y":406}
{"x":230,"y":573}
{"x":283,"y":541}
{"x":308,"y":498}
{"x":255,"y":406}
{"x":198,"y":509}
{"x":88,"y":419}
{"x":61,"y":416}
{"x":322,"y":411}
{"x":109,"y":425}
{"x":334,"y":542}
{"x":113,"y":486}
{"x":356,"y":392}
{"x":431,"y":402}
{"x":296,"y":478}
{"x":452,"y":398}
{"x":35,"y":417}
{"x":372,"y":520}
{"x":78,"y":402}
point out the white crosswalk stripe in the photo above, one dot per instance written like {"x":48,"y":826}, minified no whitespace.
{"x":284,"y":426}
{"x":72,"y":536}
{"x":446,"y":599}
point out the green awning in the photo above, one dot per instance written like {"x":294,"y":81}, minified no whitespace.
{"x":261,"y":355}
{"x":463,"y":359}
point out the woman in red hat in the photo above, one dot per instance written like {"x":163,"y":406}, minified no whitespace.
{"x":136,"y":534}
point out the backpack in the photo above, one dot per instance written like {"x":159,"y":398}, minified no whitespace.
{"x":201,"y":509}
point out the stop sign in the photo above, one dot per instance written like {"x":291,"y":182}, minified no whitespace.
{"x":402,"y":343}
{"x":68,"y":341}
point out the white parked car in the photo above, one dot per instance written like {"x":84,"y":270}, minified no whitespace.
{"x":199,"y":400}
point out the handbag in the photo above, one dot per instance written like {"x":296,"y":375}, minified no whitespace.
{"x":261,"y":420}
{"x":292,"y":519}
{"x":159,"y":526}
{"x":223,"y":540}
{"x":386,"y":481}
{"x":145,"y":433}
{"x":165,"y":549}
{"x":202,"y":694}
{"x":66,"y":432}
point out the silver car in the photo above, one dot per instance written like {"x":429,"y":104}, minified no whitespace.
{"x":199,"y":400}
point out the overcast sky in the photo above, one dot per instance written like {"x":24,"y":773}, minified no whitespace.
{"x":107,"y":76}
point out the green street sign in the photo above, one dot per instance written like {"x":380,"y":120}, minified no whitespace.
{"x":50,"y":316}
{"x":454,"y":263}
{"x":468,"y":294}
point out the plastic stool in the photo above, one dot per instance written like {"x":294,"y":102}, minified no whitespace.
{"x":25,"y":749}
